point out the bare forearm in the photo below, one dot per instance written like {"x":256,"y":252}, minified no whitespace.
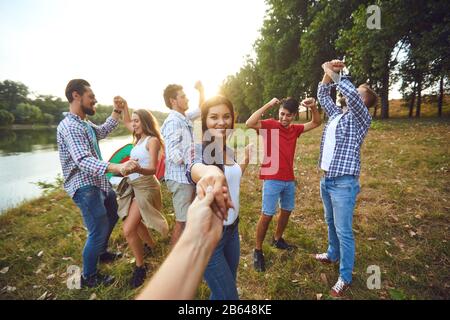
{"x":113,"y":168}
{"x":326,"y":79}
{"x":199,"y":170}
{"x":256,"y":116}
{"x":315,"y":116}
{"x":126,"y":116}
{"x":201,"y":97}
{"x":147,"y":171}
{"x":179,"y":275}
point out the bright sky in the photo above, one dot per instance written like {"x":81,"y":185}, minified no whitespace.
{"x":133,"y":48}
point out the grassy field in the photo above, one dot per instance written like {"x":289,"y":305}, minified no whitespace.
{"x":401,"y":224}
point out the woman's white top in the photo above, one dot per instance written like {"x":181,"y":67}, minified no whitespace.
{"x":140,"y":153}
{"x":233,"y":175}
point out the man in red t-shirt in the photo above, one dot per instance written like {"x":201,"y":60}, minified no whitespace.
{"x":277,"y":170}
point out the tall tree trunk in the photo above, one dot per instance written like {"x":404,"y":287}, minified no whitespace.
{"x":441,"y":96}
{"x":411,"y":102}
{"x":419,"y":97}
{"x":375,"y":111}
{"x":385,"y":92}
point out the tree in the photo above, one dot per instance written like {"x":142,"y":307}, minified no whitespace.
{"x":51,"y":105}
{"x":27,"y":114}
{"x":278,"y":48}
{"x":427,"y":49}
{"x":318,"y":43}
{"x":369,"y":51}
{"x":12,"y":93}
{"x":244,"y":89}
{"x":6,"y":118}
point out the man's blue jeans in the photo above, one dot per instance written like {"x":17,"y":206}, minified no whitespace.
{"x":221,"y":272}
{"x":339,"y":197}
{"x":99,"y":211}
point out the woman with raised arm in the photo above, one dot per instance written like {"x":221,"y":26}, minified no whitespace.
{"x":139,"y":194}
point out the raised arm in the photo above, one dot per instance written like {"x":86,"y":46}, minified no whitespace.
{"x":102,"y":131}
{"x":254,"y":122}
{"x":120,"y":102}
{"x":194,"y":114}
{"x":315,"y":121}
{"x":324,"y":94}
{"x":354,"y":102}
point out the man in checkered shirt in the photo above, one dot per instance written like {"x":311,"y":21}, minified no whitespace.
{"x":85,"y":179}
{"x":342,"y":138}
{"x":178,"y":133}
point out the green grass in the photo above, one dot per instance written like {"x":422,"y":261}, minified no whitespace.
{"x":401,"y":224}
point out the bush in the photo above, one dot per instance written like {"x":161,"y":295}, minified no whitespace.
{"x":27,"y":114}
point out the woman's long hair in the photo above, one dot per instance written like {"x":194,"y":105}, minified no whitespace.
{"x":149,"y":126}
{"x":208,"y":104}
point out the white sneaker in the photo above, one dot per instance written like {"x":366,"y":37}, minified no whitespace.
{"x":339,"y":288}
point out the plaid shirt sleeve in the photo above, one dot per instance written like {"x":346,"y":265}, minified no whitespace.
{"x":324,"y":97}
{"x":194,"y":114}
{"x":78,"y":147}
{"x":103,"y":130}
{"x":196,"y":157}
{"x":354,"y":102}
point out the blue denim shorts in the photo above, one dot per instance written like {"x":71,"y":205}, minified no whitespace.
{"x":278,"y":191}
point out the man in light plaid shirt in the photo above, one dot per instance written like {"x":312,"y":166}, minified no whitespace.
{"x":178,"y":134}
{"x":85,"y":176}
{"x":342,"y":138}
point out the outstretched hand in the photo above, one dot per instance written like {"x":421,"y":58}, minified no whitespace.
{"x":202,"y":224}
{"x":222,"y":198}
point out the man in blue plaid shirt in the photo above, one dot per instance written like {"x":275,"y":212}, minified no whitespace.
{"x":178,"y":133}
{"x":342,"y":138}
{"x":85,"y":179}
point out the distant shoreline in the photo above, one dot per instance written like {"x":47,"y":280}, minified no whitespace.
{"x":28,"y":127}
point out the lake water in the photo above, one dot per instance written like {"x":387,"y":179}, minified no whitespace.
{"x":29,"y":156}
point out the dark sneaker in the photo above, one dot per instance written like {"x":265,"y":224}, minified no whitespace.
{"x":283,"y":245}
{"x":96,"y":280}
{"x":258,"y":260}
{"x":108,"y":257}
{"x":338,"y":290}
{"x":323,"y":257}
{"x":139,"y":275}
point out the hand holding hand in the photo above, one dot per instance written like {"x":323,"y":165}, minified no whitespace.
{"x":337,"y":65}
{"x":120,"y":103}
{"x":202,"y":224}
{"x":222,"y":198}
{"x":334,"y":66}
{"x":131,"y":166}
